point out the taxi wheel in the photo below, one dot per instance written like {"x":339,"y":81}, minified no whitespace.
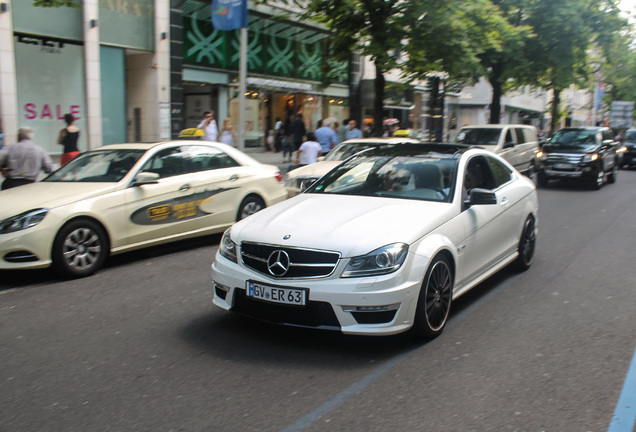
{"x":250,"y":205}
{"x":434,"y":302}
{"x":79,"y":249}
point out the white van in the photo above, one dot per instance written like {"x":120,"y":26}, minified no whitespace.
{"x":516,"y":143}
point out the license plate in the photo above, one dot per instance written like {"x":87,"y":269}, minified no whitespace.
{"x":562,"y":166}
{"x":291,"y":296}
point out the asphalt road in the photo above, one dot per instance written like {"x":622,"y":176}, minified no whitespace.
{"x":140,"y":347}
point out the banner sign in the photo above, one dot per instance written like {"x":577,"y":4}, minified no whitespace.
{"x":229,"y":14}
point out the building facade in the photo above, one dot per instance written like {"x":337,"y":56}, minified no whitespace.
{"x":104,"y":61}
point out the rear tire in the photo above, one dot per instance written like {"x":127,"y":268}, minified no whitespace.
{"x":434,"y":301}
{"x":250,"y":205}
{"x":527,"y":244}
{"x":79,"y":249}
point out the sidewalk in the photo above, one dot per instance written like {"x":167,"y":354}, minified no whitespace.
{"x":267,"y":157}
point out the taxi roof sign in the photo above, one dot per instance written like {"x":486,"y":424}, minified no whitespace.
{"x":402,"y":133}
{"x":191,"y":133}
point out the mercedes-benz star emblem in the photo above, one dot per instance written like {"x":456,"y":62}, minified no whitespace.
{"x":278,"y":263}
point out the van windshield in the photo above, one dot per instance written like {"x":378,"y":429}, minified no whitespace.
{"x":479,"y":136}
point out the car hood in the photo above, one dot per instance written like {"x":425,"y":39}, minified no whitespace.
{"x":317,"y":169}
{"x":350,"y":225}
{"x":48,"y":195}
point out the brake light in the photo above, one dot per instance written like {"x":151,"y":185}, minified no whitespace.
{"x":279,"y":177}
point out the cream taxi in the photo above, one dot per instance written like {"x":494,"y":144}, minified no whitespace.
{"x":122,"y":197}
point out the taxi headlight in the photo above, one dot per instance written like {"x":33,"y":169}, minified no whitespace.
{"x":227,"y":248}
{"x":384,"y":260}
{"x":22,"y":221}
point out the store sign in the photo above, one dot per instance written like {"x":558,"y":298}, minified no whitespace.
{"x":279,"y":84}
{"x":50,"y":83}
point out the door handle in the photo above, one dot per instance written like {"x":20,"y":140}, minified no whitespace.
{"x":235,"y":177}
{"x":184,"y":188}
{"x":504,"y":202}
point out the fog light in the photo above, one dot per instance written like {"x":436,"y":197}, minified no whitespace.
{"x":383,"y":308}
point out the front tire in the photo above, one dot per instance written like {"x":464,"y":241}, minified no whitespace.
{"x":434,"y":301}
{"x":79,"y":249}
{"x":542,"y":179}
{"x":250,"y":205}
{"x":611,"y":178}
{"x":527,"y":244}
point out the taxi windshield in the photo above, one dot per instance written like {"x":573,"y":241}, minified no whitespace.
{"x":107,"y":166}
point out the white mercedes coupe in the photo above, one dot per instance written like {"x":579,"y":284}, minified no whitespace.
{"x":381,"y":244}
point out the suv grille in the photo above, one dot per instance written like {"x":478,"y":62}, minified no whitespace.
{"x":302,"y":262}
{"x":563,"y":158}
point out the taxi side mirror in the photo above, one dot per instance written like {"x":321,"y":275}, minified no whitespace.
{"x":146,"y":178}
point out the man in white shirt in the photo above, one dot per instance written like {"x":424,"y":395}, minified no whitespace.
{"x":309,"y":151}
{"x":208,"y":124}
{"x":23,"y":161}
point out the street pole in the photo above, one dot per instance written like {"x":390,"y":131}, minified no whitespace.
{"x":242,"y":88}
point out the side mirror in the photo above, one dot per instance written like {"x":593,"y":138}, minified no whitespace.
{"x":508,"y":144}
{"x":146,"y":178}
{"x":481,"y":197}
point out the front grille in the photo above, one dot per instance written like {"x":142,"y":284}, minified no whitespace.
{"x":573,"y":159}
{"x":303,"y":263}
{"x":314,"y":314}
{"x":374,"y":317}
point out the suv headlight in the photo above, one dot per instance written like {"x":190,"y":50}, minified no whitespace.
{"x":22,"y":221}
{"x":589,"y":157}
{"x":227,"y":248}
{"x":381,"y":261}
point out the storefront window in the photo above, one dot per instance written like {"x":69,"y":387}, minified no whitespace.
{"x":44,"y":96}
{"x":127,"y":23}
{"x":63,"y":22}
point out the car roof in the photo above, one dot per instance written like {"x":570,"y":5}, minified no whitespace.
{"x":381,"y":141}
{"x":149,"y":145}
{"x":496,"y":126}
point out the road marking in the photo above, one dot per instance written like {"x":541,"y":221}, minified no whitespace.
{"x":624,"y":418}
{"x":355,"y":388}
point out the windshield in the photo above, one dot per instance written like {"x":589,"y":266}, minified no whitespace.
{"x":344,"y":150}
{"x":479,"y":136}
{"x":574,"y":139}
{"x":429,"y":177}
{"x":630,"y":136}
{"x":107,"y":166}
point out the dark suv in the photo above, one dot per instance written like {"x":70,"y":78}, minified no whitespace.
{"x":629,"y":157}
{"x":585,"y":153}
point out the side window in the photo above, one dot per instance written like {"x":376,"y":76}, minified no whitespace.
{"x":500,"y":172}
{"x":520,"y":136}
{"x":478,"y":175}
{"x":509,"y":138}
{"x":204,"y":158}
{"x":167,"y":163}
{"x":607,"y":135}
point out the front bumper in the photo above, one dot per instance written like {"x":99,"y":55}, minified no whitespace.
{"x":573,"y":172}
{"x":381,"y":305}
{"x":29,"y":248}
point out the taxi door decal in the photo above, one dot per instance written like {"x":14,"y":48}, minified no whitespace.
{"x":175,"y":210}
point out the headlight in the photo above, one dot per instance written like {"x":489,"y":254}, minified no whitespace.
{"x":227,"y":248}
{"x":381,"y":261}
{"x":540,"y":154}
{"x":22,"y":221}
{"x":590,"y":157}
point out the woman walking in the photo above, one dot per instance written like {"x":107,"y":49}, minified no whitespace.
{"x":68,"y":138}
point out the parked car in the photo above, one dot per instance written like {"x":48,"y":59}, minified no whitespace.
{"x":127,"y":196}
{"x":381,"y":244}
{"x":589,"y":154}
{"x":516,"y":143}
{"x":629,"y":144}
{"x":301,"y":178}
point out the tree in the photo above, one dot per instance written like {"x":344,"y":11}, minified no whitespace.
{"x":566,"y":31}
{"x":619,"y":70}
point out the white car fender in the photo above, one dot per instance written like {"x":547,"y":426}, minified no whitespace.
{"x":431,"y":245}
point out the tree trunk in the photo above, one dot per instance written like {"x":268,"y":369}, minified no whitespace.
{"x":378,"y":103}
{"x":556,"y":101}
{"x":495,"y":105}
{"x":433,"y":85}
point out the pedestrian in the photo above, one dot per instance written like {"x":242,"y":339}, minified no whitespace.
{"x":309,"y":151}
{"x":352,"y":131}
{"x":326,"y":137}
{"x":68,"y":138}
{"x":227,"y":132}
{"x":22,"y":162}
{"x":208,"y":124}
{"x":296,"y":133}
{"x":342,"y":130}
{"x":335,"y":126}
{"x":278,"y":134}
